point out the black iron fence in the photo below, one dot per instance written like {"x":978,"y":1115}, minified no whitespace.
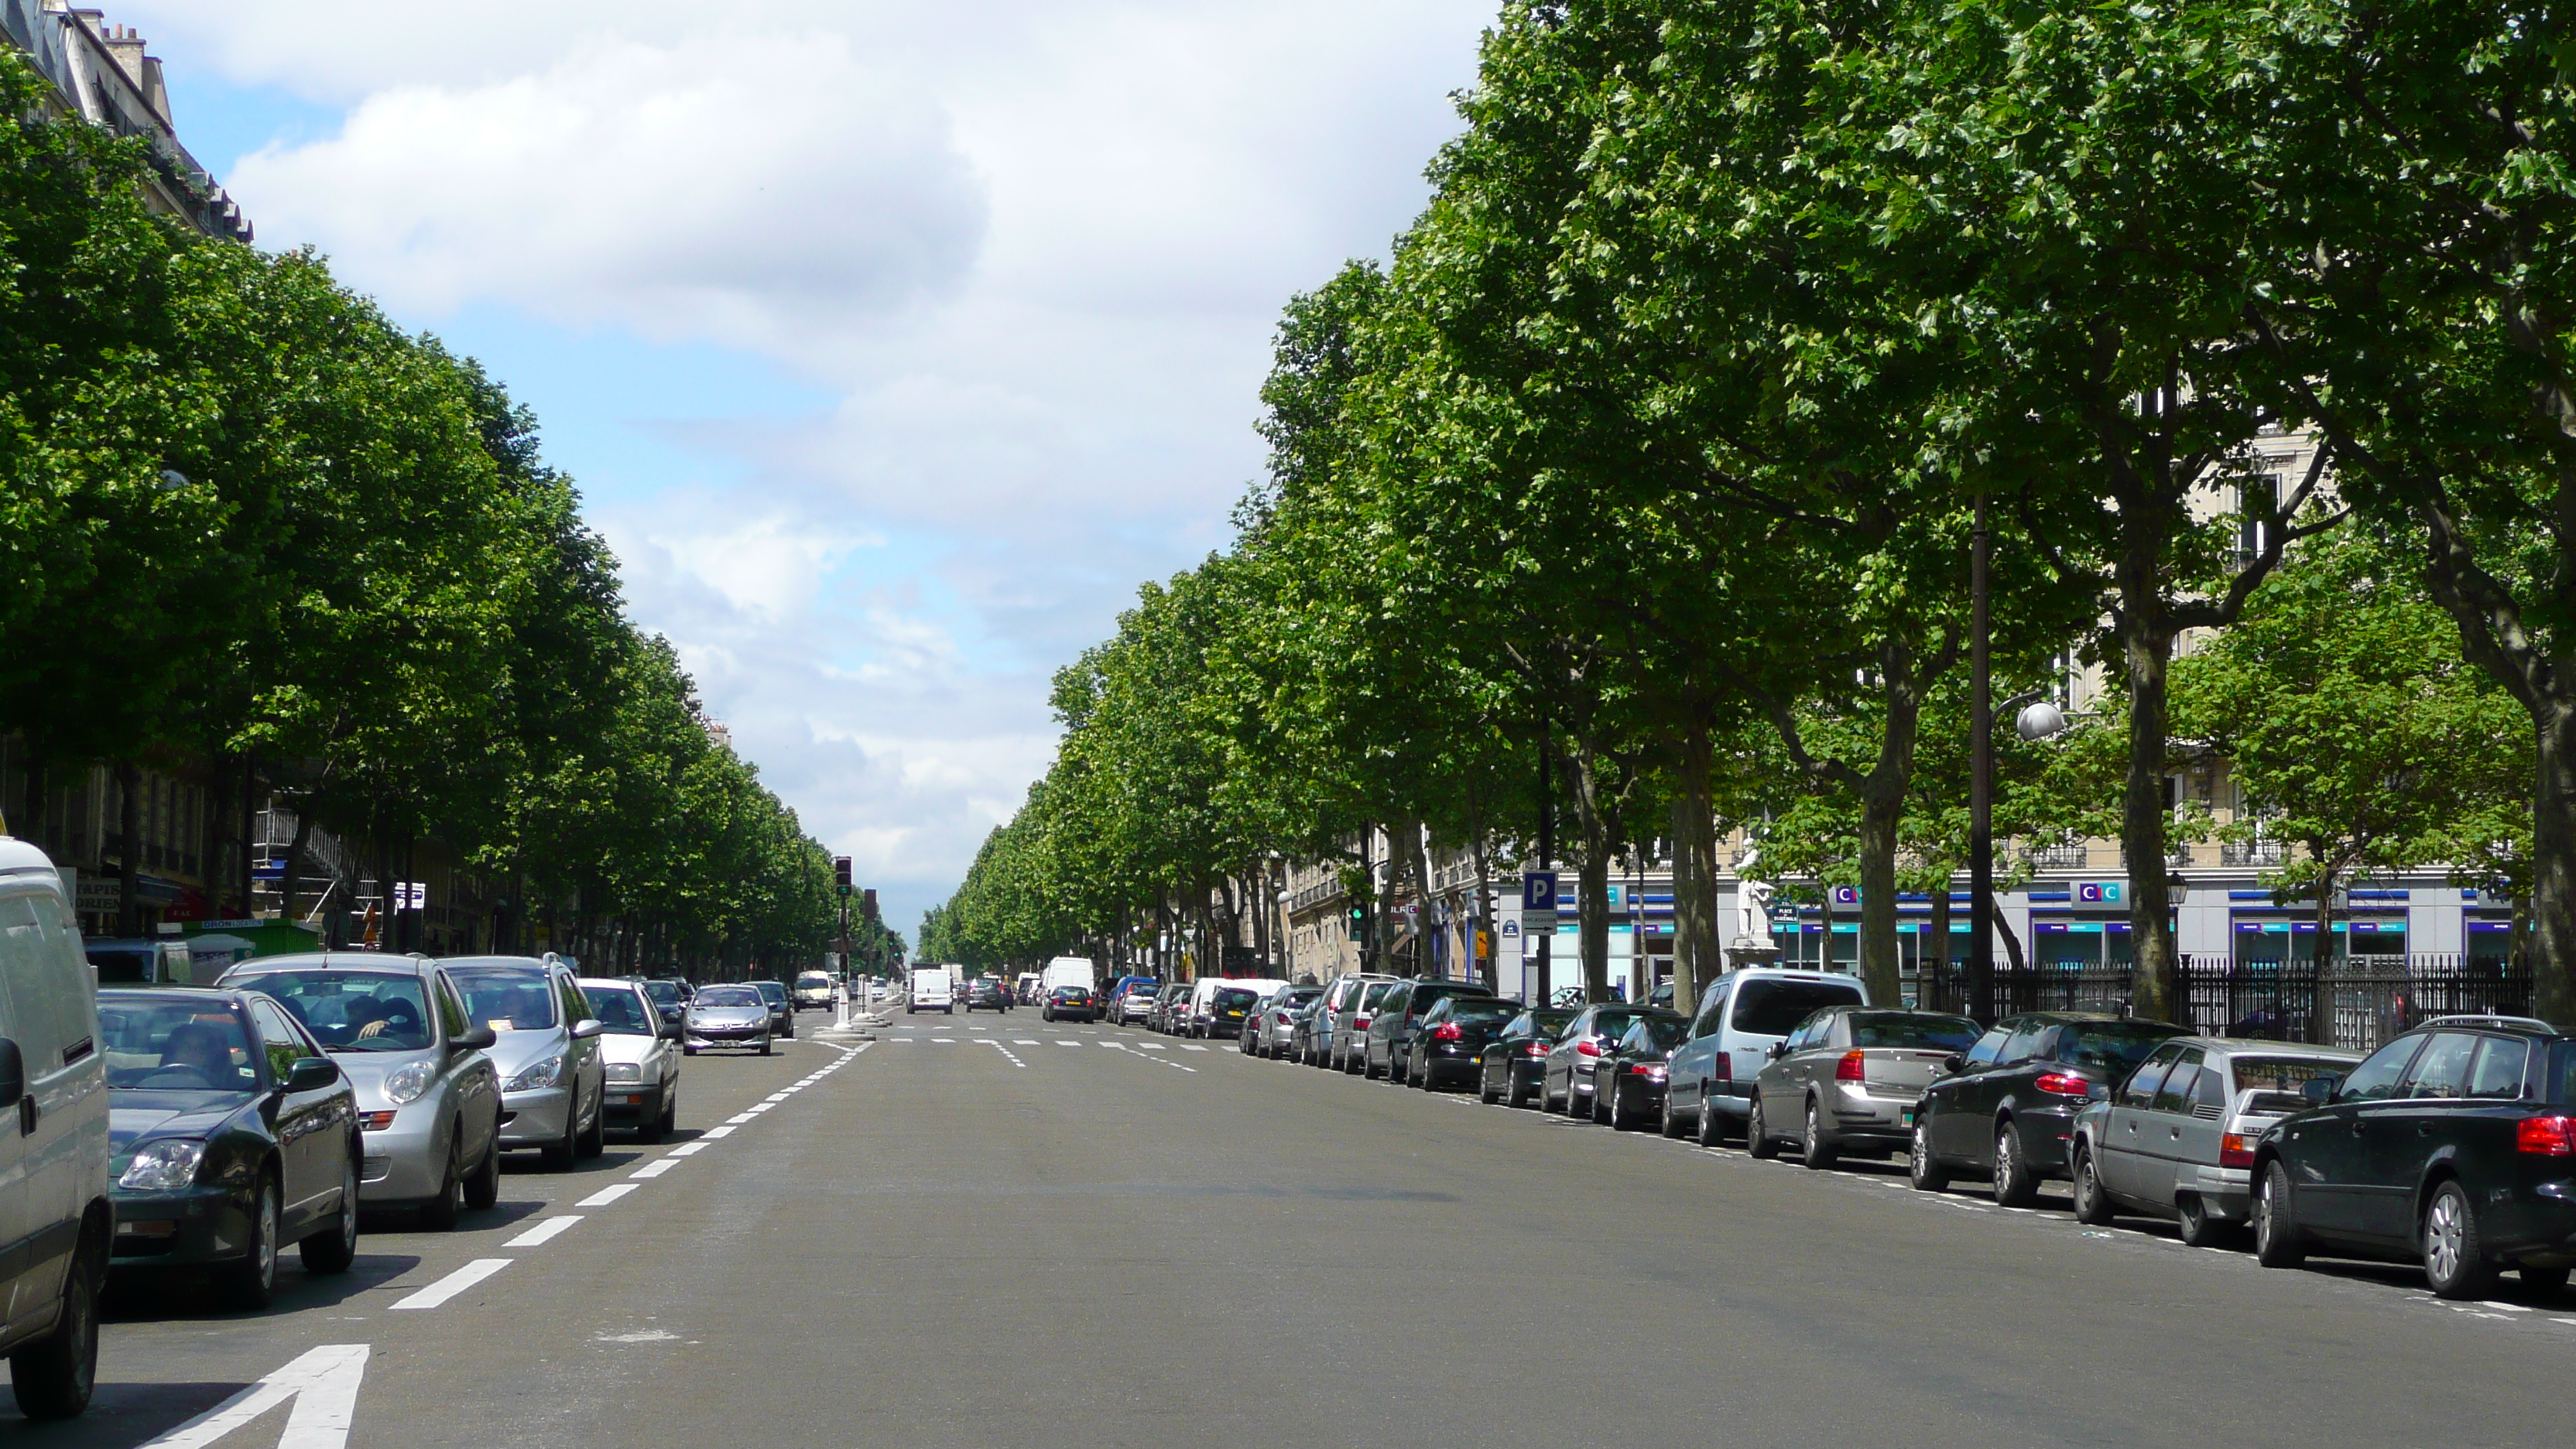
{"x":2358,"y":1003}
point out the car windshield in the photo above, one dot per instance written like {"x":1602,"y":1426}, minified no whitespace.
{"x":770,"y":991}
{"x":619,"y":1010}
{"x":664,"y":993}
{"x":1236,"y":1000}
{"x":813,"y":978}
{"x":1548,"y":1021}
{"x":728,"y":996}
{"x":1376,"y":993}
{"x":1469,"y":1008}
{"x":1659,"y":1033}
{"x":160,"y":1043}
{"x":1912,"y":1029}
{"x":1610,"y":1022}
{"x":1774,"y":1008}
{"x":506,"y":998}
{"x":2282,"y":1074}
{"x":2118,"y":1045}
{"x":352,"y":1011}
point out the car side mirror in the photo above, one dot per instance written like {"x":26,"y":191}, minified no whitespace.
{"x":669,"y":1029}
{"x":2319,"y":1090}
{"x":311,"y":1074}
{"x":1954,"y":1063}
{"x":13,"y":1075}
{"x":585,"y":1029}
{"x":475,"y":1038}
{"x":1778,"y":1049}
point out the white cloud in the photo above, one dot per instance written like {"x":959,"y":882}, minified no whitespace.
{"x":1034,"y":250}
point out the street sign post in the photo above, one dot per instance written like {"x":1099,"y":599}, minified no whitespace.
{"x":1538,"y":901}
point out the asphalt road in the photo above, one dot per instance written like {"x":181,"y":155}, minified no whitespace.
{"x":996,"y":1232}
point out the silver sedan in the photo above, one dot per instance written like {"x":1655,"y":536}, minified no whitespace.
{"x":429,"y":1097}
{"x":1842,"y":1080}
{"x":730,"y":1015}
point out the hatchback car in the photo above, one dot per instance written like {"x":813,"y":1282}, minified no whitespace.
{"x":729,"y":1015}
{"x":1171,"y":1006}
{"x":1132,"y":1003}
{"x":429,"y":1095}
{"x":2176,"y":1140}
{"x":642,"y":1052}
{"x":782,"y":1012}
{"x":1448,"y":1043}
{"x":1844,"y":1079}
{"x":2454,"y":1146}
{"x":1346,"y":1046}
{"x":669,"y":997}
{"x":2006,"y":1110}
{"x":1070,"y":1003}
{"x":986,"y":993}
{"x":1566,"y":1077}
{"x":1634,"y":1070}
{"x":1269,"y":1032}
{"x":1512,"y":1065}
{"x":1741,"y":1016}
{"x":554,"y":1079}
{"x":1227,"y":1009}
{"x":1388,"y":1047}
{"x":234,"y":1134}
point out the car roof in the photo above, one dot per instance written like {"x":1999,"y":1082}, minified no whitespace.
{"x":2256,"y":1046}
{"x":2482,"y":1022}
{"x":208,"y":994}
{"x":376,"y":961}
{"x":629,"y":982}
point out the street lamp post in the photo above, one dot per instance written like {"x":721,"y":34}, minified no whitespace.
{"x":1981,"y":776}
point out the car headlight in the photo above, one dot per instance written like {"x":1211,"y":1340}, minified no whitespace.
{"x":405,"y":1084}
{"x":625,"y":1071}
{"x":160,"y":1166}
{"x":537,"y":1074}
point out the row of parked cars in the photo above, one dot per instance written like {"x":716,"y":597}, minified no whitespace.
{"x":2453,"y":1145}
{"x":209,"y":1128}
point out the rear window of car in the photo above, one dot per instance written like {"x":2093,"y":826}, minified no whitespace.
{"x":1613,"y":1023}
{"x":1663,"y":1033}
{"x":2281,"y":1074}
{"x":1376,"y":993}
{"x":1912,"y":1029}
{"x":1236,"y":999}
{"x":1774,"y":1008}
{"x":2117,"y":1045}
{"x":1472,"y":1008}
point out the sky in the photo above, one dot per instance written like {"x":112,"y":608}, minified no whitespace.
{"x":893,"y":346}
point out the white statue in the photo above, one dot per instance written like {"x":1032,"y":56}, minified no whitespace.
{"x":1752,"y":903}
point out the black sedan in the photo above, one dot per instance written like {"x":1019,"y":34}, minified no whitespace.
{"x":232,"y":1133}
{"x":1628,"y":1082}
{"x":1510,"y":1068}
{"x":1449,"y":1044}
{"x":986,"y":993}
{"x":1070,"y":1003}
{"x":2007,"y":1108}
{"x":2454,"y":1145}
{"x":1566,"y":1081}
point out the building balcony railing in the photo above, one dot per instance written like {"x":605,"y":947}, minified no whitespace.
{"x":2253,"y":852}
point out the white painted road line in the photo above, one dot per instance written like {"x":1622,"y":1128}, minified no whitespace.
{"x":689,"y":1149}
{"x":739,"y":1118}
{"x":713,"y":1133}
{"x":1188,"y":1048}
{"x":606,"y":1195}
{"x":544,"y":1232}
{"x":1153,"y":1046}
{"x":1023,"y":1041}
{"x":655,"y":1169}
{"x":1068,"y":1043}
{"x":943,"y":1041}
{"x":458,"y":1281}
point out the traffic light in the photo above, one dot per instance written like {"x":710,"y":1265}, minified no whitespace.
{"x":868,"y":903}
{"x":841,"y":873}
{"x":1359,"y":923}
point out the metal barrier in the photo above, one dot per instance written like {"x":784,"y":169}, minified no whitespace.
{"x":2358,"y":1003}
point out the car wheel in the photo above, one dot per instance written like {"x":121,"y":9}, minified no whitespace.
{"x":2199,"y":1229}
{"x":2455,"y":1261}
{"x":334,"y":1248}
{"x":2278,"y":1243}
{"x":1709,"y":1133}
{"x":2092,"y":1204}
{"x":53,"y":1379}
{"x":1921,"y":1167}
{"x":1665,"y":1121}
{"x":1485,"y":1092}
{"x":667,"y":1118}
{"x":559,"y":1155}
{"x":687,"y":1050}
{"x":1814,"y":1150}
{"x":1368,"y":1067}
{"x":247,"y":1286}
{"x":767,"y":1047}
{"x":439,"y":1215}
{"x":2015,"y":1184}
{"x":594,"y":1139}
{"x":484,"y":1188}
{"x":1757,"y":1132}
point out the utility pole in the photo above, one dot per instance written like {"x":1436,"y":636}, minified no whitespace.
{"x":841,"y":880}
{"x":1546,"y":858}
{"x":1981,"y":776}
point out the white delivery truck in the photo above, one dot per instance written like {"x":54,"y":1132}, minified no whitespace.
{"x":1069,"y":971}
{"x":933,"y":989}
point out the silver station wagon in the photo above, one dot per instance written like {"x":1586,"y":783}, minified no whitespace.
{"x":2176,"y":1140}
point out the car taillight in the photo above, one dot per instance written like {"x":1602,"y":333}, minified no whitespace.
{"x":1359,"y":1023}
{"x":2064,"y":1084}
{"x":1536,"y":1049}
{"x":2546,"y":1136}
{"x":1587,"y":1047}
{"x":1848,"y":1069}
{"x":1722,"y":1066}
{"x":1446,"y":1031}
{"x":2235,"y":1149}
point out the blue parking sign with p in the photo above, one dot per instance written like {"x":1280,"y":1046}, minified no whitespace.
{"x":1538,"y":890}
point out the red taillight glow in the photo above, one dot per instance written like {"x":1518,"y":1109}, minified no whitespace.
{"x":1587,"y":1048}
{"x":1722,"y":1066}
{"x":2546,"y":1136}
{"x":1536,"y":1049}
{"x":1446,"y":1031}
{"x":1848,"y":1069}
{"x":1359,"y":1023}
{"x":2235,"y":1149}
{"x":2063,"y":1084}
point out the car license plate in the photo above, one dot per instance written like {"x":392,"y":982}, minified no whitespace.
{"x":1907,"y":1117}
{"x":630,"y":1101}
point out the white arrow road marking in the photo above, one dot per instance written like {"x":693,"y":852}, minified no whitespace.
{"x":457,"y":1282}
{"x":324,"y":1385}
{"x":544,"y":1232}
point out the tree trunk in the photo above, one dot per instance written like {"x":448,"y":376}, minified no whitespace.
{"x":2146,"y":653}
{"x":1592,"y":890}
{"x":1696,"y":942}
{"x":129,"y":827}
{"x":1878,"y":960}
{"x":2551,"y":952}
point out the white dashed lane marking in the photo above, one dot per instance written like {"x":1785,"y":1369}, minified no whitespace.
{"x":547,"y":1231}
{"x":606,"y":1195}
{"x":456,"y":1282}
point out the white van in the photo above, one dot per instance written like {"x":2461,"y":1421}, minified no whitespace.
{"x":53,"y":1169}
{"x":1068,"y":971}
{"x":933,"y":989}
{"x":1203,"y":1020}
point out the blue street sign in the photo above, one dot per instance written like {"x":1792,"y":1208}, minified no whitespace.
{"x":1538,"y":890}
